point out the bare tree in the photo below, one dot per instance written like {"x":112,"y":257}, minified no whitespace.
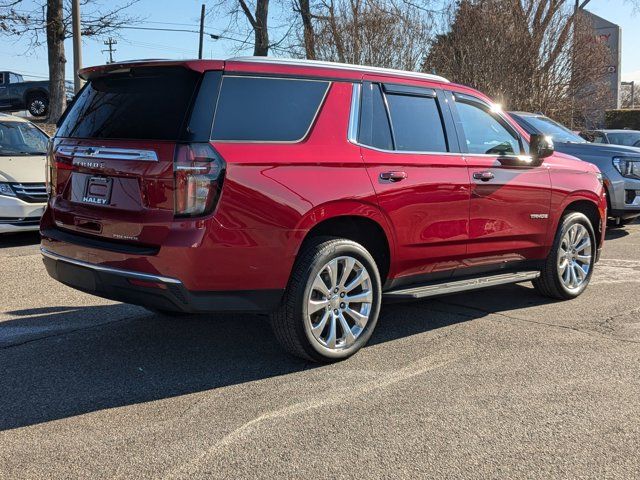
{"x":535,"y":55}
{"x":388,"y":33}
{"x":56,"y":58}
{"x":248,"y":15}
{"x":626,"y":99}
{"x":303,"y":8}
{"x":259,"y":23}
{"x":54,"y":28}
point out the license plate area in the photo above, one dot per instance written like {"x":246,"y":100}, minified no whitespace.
{"x":96,"y":191}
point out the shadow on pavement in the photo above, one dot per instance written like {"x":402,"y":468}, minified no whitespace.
{"x":615,"y":233}
{"x":151,"y":357}
{"x":19,"y":239}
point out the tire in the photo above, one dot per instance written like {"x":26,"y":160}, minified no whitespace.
{"x":552,"y":283}
{"x":38,"y":105}
{"x":308,"y":300}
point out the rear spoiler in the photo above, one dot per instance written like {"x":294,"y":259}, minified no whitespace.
{"x":122,"y":67}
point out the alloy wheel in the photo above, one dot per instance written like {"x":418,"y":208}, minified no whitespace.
{"x":339,"y":303}
{"x":574,"y":256}
{"x":38,"y":107}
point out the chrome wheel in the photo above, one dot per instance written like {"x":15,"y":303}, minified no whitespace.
{"x":339,"y":303}
{"x":574,"y":256}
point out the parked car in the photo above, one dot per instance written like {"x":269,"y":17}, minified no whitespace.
{"x":16,"y":94}
{"x":620,"y":165}
{"x":630,"y":138}
{"x":23,"y":193}
{"x":307,"y":190}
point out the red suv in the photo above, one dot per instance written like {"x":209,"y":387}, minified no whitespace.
{"x":311,"y":191}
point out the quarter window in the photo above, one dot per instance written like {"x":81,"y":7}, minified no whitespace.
{"x":267,"y":109}
{"x":484,"y":133}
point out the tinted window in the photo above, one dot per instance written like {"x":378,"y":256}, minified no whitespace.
{"x":1,"y":78}
{"x":374,"y":127}
{"x":416,"y":123}
{"x":484,"y":133}
{"x":147,"y":103}
{"x":266,"y":109}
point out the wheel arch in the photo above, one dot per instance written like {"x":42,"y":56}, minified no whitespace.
{"x":361,"y":222}
{"x":591,"y":210}
{"x":34,"y":91}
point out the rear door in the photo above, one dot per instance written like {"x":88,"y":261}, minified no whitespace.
{"x":114,"y":152}
{"x":509,"y":206}
{"x":420,"y":178}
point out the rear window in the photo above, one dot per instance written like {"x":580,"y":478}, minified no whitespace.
{"x":144,"y":103}
{"x":267,"y":109}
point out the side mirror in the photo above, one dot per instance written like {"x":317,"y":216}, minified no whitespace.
{"x":540,"y":147}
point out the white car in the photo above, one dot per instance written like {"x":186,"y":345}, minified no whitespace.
{"x":23,"y":193}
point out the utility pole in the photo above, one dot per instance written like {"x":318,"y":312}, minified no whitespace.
{"x":202,"y":11}
{"x":110,"y":43}
{"x":77,"y":45}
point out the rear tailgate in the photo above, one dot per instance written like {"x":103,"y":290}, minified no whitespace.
{"x":113,"y":156}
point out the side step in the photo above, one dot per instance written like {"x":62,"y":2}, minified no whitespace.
{"x":432,"y":290}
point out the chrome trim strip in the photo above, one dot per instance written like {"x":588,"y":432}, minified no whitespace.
{"x":339,"y":66}
{"x":354,"y":115}
{"x":116,"y":271}
{"x":108,"y":153}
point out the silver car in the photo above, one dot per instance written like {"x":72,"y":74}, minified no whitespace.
{"x":620,"y":165}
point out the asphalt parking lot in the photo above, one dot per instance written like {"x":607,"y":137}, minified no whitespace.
{"x":497,"y":383}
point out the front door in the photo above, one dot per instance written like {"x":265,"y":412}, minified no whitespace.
{"x":510,"y":200}
{"x":420,"y":178}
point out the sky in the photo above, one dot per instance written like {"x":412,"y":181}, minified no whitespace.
{"x":16,"y":55}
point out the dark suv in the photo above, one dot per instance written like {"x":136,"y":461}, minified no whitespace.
{"x":311,"y":191}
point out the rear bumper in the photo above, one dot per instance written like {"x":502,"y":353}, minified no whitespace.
{"x":154,"y":291}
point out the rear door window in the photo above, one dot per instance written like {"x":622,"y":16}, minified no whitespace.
{"x":404,"y":118}
{"x":142,"y":103}
{"x":256,"y":109}
{"x":416,"y":123}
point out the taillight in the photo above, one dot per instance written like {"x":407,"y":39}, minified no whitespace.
{"x":198,"y":172}
{"x":54,"y":163}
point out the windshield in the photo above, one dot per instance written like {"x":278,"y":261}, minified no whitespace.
{"x":631,"y":139}
{"x":556,"y":131}
{"x":21,"y":138}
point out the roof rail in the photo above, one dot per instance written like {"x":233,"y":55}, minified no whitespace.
{"x":341,"y":66}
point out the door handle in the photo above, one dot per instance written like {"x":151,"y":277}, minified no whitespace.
{"x":484,"y":176}
{"x":393,"y":176}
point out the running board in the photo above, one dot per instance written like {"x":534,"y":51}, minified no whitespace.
{"x":432,"y":290}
